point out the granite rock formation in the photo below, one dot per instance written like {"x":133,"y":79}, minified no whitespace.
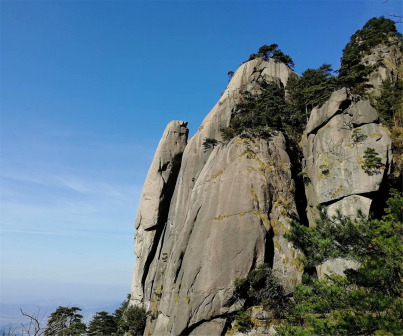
{"x":229,"y":210}
{"x":209,"y":216}
{"x":334,"y":144}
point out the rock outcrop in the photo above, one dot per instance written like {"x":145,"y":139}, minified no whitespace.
{"x":387,"y":59}
{"x":230,"y":208}
{"x":210,"y":215}
{"x":155,"y":199}
{"x":334,"y":143}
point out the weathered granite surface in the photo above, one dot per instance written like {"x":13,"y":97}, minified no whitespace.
{"x":229,"y":210}
{"x":333,"y":159}
{"x":155,"y":199}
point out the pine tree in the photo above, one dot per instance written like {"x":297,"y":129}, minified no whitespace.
{"x":65,"y":321}
{"x":372,"y":163}
{"x":102,"y":324}
{"x":312,"y":89}
{"x":367,"y":301}
{"x":376,"y":31}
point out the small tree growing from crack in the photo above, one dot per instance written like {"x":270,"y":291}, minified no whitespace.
{"x":209,"y":143}
{"x":372,"y":163}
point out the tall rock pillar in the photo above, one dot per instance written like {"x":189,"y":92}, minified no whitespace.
{"x":155,"y":199}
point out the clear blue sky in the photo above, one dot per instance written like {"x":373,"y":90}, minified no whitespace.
{"x":87,"y":89}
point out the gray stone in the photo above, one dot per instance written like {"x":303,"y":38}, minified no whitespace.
{"x":155,"y":198}
{"x":363,"y":113}
{"x":389,"y":61}
{"x":320,"y":116}
{"x":229,"y":216}
{"x":335,"y":163}
{"x":227,"y":203}
{"x":349,"y":206}
{"x":335,"y":266}
{"x":333,"y":159}
{"x":209,"y":328}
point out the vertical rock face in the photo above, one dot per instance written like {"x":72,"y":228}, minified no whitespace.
{"x":334,"y":145}
{"x":209,"y":216}
{"x":155,"y":198}
{"x":230,"y":208}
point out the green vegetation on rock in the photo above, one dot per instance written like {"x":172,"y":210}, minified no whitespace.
{"x":258,"y":114}
{"x":372,"y":163}
{"x":375,"y":32}
{"x":312,"y":89}
{"x":65,"y":321}
{"x":133,"y":321}
{"x":368,"y":300}
{"x":390,"y":107}
{"x":209,"y":143}
{"x":273,"y":51}
{"x":259,"y":288}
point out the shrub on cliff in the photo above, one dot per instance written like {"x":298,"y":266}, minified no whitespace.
{"x":372,"y":164}
{"x":273,"y":51}
{"x":261,"y":287}
{"x":267,"y":109}
{"x":209,"y":143}
{"x":367,"y":301}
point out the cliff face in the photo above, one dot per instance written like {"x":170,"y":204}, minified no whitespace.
{"x":209,"y":216}
{"x":229,"y":209}
{"x":155,"y":200}
{"x":334,"y":143}
{"x":389,"y":61}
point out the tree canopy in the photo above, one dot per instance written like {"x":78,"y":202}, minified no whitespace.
{"x":258,"y":114}
{"x":273,"y":51}
{"x":312,"y":89}
{"x":376,"y":31}
{"x":102,"y":324}
{"x":65,"y":321}
{"x":368,"y":300}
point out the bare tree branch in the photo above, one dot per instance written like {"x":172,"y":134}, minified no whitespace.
{"x":10,"y":330}
{"x":400,"y":17}
{"x":35,"y":322}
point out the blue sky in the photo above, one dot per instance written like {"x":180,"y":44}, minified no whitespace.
{"x":87,"y":89}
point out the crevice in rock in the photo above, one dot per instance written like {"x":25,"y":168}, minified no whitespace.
{"x":297,"y":159}
{"x":164,"y":166}
{"x":179,"y":266}
{"x":227,"y":327}
{"x":187,"y":331}
{"x":269,"y":248}
{"x":162,"y":239}
{"x":379,"y":197}
{"x":342,"y":108}
{"x":254,"y":260}
{"x":151,"y":255}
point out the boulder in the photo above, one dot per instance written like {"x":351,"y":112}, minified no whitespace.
{"x":322,"y":115}
{"x":363,"y":113}
{"x":334,"y":145}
